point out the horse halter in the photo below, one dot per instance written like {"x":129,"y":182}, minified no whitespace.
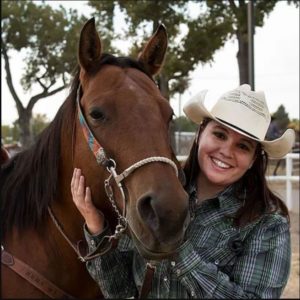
{"x":110,"y":165}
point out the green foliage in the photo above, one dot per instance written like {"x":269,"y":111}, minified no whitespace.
{"x":295,"y":124}
{"x":11,"y":134}
{"x":47,"y":37}
{"x":190,"y":41}
{"x":281,"y":117}
{"x":184,"y":124}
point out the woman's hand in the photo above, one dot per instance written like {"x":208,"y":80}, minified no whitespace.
{"x":82,"y":198}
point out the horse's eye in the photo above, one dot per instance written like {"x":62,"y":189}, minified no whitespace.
{"x":97,"y":114}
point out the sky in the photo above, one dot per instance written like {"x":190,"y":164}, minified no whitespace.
{"x":276,"y":51}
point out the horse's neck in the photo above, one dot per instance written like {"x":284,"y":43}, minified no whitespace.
{"x":64,"y":209}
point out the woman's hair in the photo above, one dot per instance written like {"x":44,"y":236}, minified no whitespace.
{"x":259,"y":198}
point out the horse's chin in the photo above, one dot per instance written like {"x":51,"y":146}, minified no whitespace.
{"x":152,"y":254}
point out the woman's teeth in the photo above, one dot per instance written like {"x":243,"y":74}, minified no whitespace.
{"x":220,"y":164}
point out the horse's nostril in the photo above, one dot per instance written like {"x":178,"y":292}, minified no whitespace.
{"x":147,"y":212}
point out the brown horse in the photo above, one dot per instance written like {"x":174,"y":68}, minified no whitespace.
{"x":116,"y":110}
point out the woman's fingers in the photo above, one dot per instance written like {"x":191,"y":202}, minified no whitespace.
{"x":81,"y":195}
{"x":75,"y":180}
{"x":78,"y":188}
{"x":82,"y":198}
{"x":81,"y":188}
{"x":88,"y":197}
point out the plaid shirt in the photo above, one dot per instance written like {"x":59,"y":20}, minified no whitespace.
{"x":217,"y":260}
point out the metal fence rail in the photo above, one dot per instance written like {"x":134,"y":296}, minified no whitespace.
{"x":289,"y":178}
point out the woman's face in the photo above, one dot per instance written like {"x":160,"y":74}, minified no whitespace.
{"x":223,"y":154}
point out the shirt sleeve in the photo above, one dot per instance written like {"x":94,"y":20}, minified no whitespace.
{"x":260,"y":272}
{"x":112,"y":270}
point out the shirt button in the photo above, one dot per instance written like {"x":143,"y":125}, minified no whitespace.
{"x":173,"y":263}
{"x":217,"y":262}
{"x":165,"y":279}
{"x":92,"y":242}
{"x":178,"y":272}
{"x":192,"y":293}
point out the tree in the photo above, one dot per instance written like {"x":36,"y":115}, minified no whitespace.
{"x":10,"y":134}
{"x":295,"y":124}
{"x":48,"y":40}
{"x":39,"y":123}
{"x":281,"y":117}
{"x":235,"y":12}
{"x":192,"y":40}
{"x":184,"y":124}
{"x":189,"y":44}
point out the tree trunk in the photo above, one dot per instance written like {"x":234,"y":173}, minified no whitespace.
{"x":163,"y":84}
{"x":242,"y":57}
{"x":24,"y":122}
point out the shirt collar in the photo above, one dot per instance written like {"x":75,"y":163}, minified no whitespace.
{"x":226,"y":198}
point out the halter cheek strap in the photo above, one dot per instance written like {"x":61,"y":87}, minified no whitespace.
{"x":110,"y":165}
{"x":94,"y":145}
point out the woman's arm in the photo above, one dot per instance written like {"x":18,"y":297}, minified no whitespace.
{"x":260,"y":272}
{"x":112,"y":270}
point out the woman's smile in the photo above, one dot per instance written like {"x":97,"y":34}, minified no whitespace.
{"x":220,"y":164}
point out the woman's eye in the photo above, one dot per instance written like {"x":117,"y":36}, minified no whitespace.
{"x":244,"y":147}
{"x":97,"y":115}
{"x":219,"y":135}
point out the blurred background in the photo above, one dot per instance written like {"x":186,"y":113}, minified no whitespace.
{"x":214,"y":45}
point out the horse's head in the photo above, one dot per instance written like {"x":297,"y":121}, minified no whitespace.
{"x":128,"y":116}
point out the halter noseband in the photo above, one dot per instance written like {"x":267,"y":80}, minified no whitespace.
{"x":110,"y":165}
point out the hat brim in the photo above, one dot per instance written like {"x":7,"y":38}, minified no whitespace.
{"x":196,"y":111}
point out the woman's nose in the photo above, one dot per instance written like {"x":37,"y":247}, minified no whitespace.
{"x":227,"y":149}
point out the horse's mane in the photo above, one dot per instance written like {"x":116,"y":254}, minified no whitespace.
{"x":29,"y":181}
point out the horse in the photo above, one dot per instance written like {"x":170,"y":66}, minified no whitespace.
{"x":114,"y":126}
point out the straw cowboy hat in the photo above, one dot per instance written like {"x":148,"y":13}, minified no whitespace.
{"x":245,"y":112}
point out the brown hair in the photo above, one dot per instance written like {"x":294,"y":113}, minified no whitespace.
{"x":259,"y":198}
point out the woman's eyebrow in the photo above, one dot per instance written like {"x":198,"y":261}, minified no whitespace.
{"x":245,"y":140}
{"x":221,"y":127}
{"x":248,"y":141}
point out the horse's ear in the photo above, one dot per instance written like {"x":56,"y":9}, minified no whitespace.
{"x":153,"y":54}
{"x":89,"y":46}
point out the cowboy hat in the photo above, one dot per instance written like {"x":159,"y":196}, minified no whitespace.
{"x":245,"y":112}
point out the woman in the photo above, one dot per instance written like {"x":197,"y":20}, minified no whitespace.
{"x":237,"y":244}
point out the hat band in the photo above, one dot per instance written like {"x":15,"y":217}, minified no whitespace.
{"x":238,"y":128}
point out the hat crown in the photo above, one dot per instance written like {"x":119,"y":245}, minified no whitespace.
{"x":245,"y":109}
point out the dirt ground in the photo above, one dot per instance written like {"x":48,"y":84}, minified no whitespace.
{"x":292,"y":289}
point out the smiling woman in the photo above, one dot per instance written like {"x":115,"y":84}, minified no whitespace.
{"x":237,"y":244}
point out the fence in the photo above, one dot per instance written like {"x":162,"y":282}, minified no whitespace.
{"x":288,"y":178}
